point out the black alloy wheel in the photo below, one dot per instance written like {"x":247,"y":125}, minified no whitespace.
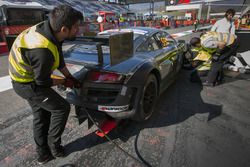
{"x":148,"y":100}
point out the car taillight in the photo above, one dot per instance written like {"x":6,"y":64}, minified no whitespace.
{"x":105,"y":77}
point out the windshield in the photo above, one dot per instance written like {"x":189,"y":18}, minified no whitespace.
{"x":20,"y":16}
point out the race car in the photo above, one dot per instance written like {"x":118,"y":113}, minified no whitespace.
{"x":123,"y":71}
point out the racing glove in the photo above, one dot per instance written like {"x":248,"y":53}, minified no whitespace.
{"x":68,"y":83}
{"x":77,"y":83}
{"x":215,"y":57}
{"x":72,"y":82}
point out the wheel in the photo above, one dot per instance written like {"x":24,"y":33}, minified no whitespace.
{"x":179,"y":62}
{"x":148,"y":100}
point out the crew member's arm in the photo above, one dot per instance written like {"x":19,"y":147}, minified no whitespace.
{"x":62,"y":67}
{"x":41,"y":61}
{"x":221,"y":44}
{"x":215,"y":26}
{"x":65,"y":72}
{"x":232,"y":29}
{"x":70,"y":80}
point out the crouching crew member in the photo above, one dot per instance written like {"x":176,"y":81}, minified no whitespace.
{"x":225,"y":45}
{"x":201,"y":61}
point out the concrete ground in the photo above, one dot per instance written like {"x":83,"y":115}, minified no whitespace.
{"x":192,"y":126}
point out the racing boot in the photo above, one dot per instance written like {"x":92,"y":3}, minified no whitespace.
{"x":44,"y":158}
{"x":58,"y":151}
{"x":44,"y":155}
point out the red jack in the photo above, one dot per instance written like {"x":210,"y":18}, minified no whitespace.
{"x":106,"y":127}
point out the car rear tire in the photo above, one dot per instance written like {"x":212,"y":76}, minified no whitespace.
{"x":148,"y":100}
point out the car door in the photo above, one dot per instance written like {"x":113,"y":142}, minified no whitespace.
{"x":167,"y":60}
{"x":153,"y":50}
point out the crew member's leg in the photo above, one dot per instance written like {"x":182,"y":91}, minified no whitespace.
{"x":41,"y":123}
{"x":59,"y":109}
{"x":213,"y":74}
{"x":198,"y":76}
{"x":41,"y":120}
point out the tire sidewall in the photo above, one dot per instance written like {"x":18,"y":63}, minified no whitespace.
{"x":140,"y":114}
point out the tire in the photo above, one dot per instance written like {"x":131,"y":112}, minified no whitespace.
{"x":148,"y":100}
{"x":180,"y":62}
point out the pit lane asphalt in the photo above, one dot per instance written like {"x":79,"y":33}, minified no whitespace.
{"x":192,"y":126}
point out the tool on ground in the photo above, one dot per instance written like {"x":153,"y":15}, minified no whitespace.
{"x":105,"y":128}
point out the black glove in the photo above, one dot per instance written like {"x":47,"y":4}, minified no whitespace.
{"x":77,"y":83}
{"x":69,"y":83}
{"x":72,"y":82}
{"x":215,"y":57}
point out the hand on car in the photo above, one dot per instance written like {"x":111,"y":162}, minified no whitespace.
{"x":72,"y":82}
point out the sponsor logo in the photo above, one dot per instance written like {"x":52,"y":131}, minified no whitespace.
{"x":113,"y":108}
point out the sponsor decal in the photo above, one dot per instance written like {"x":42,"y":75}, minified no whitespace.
{"x":113,"y":108}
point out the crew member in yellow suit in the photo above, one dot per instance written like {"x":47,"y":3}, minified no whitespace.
{"x":201,"y":61}
{"x":225,"y":45}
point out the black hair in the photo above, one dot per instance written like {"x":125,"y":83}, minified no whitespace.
{"x":64,"y":15}
{"x":194,"y":41}
{"x":230,"y":11}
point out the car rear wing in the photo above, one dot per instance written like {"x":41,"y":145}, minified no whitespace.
{"x":121,"y":46}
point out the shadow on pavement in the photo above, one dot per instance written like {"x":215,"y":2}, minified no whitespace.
{"x":181,"y":101}
{"x":84,"y":142}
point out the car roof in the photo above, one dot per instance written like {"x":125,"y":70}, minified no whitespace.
{"x":148,"y":29}
{"x":142,"y":31}
{"x":138,"y":30}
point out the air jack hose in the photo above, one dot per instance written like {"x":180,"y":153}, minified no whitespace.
{"x":116,"y":144}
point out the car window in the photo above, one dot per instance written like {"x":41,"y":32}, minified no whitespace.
{"x":136,"y":36}
{"x":164,"y":39}
{"x":150,"y":45}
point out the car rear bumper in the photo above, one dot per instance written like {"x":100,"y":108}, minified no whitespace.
{"x":119,"y":105}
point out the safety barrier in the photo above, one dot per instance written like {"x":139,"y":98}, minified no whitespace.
{"x":6,"y":31}
{"x":13,"y":30}
{"x":89,"y":29}
{"x":3,"y":48}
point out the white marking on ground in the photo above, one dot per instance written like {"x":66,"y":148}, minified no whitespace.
{"x":5,"y":83}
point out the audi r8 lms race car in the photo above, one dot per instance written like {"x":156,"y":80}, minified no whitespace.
{"x":123,"y":71}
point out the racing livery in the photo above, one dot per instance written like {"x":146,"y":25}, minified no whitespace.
{"x":123,"y":71}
